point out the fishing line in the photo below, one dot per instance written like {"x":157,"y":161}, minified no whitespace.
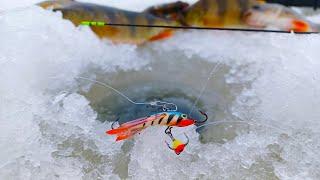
{"x":248,"y":123}
{"x":221,"y":122}
{"x":99,"y":23}
{"x":204,"y":87}
{"x":166,"y":106}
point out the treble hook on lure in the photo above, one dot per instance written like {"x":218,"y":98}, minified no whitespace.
{"x":177,"y":145}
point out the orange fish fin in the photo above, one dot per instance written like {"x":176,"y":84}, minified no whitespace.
{"x":300,"y":26}
{"x":128,"y":133}
{"x":123,"y":137}
{"x":117,"y":131}
{"x":162,"y":35}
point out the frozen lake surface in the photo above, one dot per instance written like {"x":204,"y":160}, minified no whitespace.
{"x":52,"y":126}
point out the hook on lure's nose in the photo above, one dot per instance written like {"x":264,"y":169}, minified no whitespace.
{"x":116,"y":121}
{"x":191,"y":121}
{"x":203,"y":121}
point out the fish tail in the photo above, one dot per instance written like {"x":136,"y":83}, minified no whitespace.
{"x":121,"y":133}
{"x":131,"y":128}
{"x":54,"y":3}
{"x":124,"y":133}
{"x":119,"y":130}
{"x":123,"y":137}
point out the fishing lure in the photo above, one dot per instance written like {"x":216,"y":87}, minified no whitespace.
{"x":177,"y":145}
{"x":177,"y":119}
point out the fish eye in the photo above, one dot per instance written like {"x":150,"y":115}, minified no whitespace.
{"x":184,"y":115}
{"x":256,"y":7}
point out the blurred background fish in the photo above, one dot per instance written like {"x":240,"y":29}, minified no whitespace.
{"x":78,"y":12}
{"x":276,"y":16}
{"x":246,"y":14}
{"x":218,"y":13}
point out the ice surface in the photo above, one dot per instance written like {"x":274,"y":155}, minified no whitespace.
{"x":38,"y":63}
{"x":48,"y":130}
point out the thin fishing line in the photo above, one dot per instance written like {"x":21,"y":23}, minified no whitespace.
{"x":94,"y":23}
{"x":204,"y":87}
{"x":110,"y":87}
{"x":163,"y":104}
{"x":98,"y":23}
{"x":248,"y":123}
{"x":221,"y":122}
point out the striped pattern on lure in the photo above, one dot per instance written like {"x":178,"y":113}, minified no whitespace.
{"x":78,"y":12}
{"x":128,"y":129}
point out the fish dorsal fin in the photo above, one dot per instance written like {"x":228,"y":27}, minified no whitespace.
{"x":170,"y":11}
{"x":54,"y":4}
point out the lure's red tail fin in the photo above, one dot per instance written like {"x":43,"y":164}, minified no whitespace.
{"x":123,"y":137}
{"x":125,"y":134}
{"x":129,"y":129}
{"x":128,"y":134}
{"x":117,"y":131}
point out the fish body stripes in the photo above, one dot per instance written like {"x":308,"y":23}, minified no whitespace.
{"x":218,"y":13}
{"x":204,"y":13}
{"x":247,"y":14}
{"x":232,"y":14}
{"x":83,"y":13}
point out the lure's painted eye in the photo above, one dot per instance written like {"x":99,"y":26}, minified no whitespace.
{"x":184,"y":115}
